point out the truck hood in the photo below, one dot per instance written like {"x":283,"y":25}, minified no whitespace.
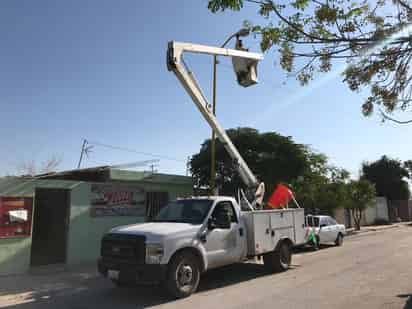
{"x":157,"y":229}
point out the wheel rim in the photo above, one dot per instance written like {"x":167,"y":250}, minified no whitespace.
{"x":285,"y":256}
{"x":185,"y":276}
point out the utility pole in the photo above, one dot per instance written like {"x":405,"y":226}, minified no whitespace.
{"x":152,"y":168}
{"x":240,"y":33}
{"x":213,"y":140}
{"x":82,"y":152}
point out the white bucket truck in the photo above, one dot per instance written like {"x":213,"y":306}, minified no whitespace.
{"x":191,"y":236}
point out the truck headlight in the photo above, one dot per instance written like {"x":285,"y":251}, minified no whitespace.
{"x":154,"y":253}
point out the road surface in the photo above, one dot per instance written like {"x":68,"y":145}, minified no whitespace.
{"x":371,"y":270}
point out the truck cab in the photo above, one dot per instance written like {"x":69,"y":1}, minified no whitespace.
{"x":191,"y":236}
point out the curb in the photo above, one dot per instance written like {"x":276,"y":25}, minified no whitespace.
{"x":372,"y":229}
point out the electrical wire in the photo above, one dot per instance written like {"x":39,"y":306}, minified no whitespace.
{"x":95,"y":143}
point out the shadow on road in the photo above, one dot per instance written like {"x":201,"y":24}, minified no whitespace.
{"x":408,"y":304}
{"x":307,"y":249}
{"x":230,"y":275}
{"x":77,"y":292}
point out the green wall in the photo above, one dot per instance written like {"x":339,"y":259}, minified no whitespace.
{"x":85,"y":231}
{"x":14,"y":255}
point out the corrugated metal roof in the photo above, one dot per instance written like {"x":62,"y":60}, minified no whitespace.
{"x":123,"y":175}
{"x":22,"y":186}
{"x":107,"y":174}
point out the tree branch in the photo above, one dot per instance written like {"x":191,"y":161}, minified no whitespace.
{"x":308,"y":35}
{"x":405,"y":5}
{"x":386,"y":117}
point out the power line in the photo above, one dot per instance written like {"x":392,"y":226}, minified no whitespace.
{"x":135,"y":151}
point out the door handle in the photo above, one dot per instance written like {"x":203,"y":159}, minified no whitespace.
{"x":241,"y":232}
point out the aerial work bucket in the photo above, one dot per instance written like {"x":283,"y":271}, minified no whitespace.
{"x":245,"y":69}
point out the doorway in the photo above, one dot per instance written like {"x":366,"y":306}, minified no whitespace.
{"x":50,"y":226}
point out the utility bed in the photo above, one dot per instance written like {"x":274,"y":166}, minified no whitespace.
{"x":266,"y":227}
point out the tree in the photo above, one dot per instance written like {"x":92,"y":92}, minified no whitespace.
{"x":371,"y":36}
{"x":272,"y":157}
{"x":389,"y":176}
{"x":361,"y":193}
{"x":323,"y":189}
{"x":30,"y":168}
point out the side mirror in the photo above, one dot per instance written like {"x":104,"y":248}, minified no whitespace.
{"x":322,"y":225}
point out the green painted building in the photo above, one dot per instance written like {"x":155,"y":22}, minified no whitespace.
{"x":72,"y":210}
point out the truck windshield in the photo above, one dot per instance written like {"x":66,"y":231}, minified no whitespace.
{"x":185,"y":211}
{"x":313,"y":221}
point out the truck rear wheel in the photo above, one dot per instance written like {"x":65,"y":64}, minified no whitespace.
{"x":279,"y":259}
{"x":183,"y":275}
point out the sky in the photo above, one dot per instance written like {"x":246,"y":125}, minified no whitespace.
{"x":96,"y":70}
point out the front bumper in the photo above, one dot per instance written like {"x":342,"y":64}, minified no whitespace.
{"x":133,"y":273}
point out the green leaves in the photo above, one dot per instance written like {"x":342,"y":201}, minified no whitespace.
{"x":326,"y":14}
{"x":300,"y":31}
{"x":389,"y":176}
{"x":221,"y":5}
{"x":301,"y":4}
{"x":361,"y":193}
{"x":270,"y":37}
{"x":272,"y":157}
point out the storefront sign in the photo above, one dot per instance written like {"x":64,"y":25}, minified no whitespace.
{"x":15,"y":216}
{"x":117,"y":200}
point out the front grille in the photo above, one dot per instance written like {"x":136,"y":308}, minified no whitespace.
{"x":124,"y":247}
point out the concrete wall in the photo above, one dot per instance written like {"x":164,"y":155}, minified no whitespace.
{"x":378,"y":211}
{"x":339,"y":215}
{"x":400,"y":210}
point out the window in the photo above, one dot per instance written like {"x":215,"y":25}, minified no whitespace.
{"x":227,"y":207}
{"x":324,"y":221}
{"x":312,"y":221}
{"x":184,"y":211}
{"x":332,"y":221}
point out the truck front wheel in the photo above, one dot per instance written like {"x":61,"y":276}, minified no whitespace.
{"x":183,"y":275}
{"x":279,"y":259}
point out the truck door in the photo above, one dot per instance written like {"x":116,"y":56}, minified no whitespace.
{"x":222,"y":245}
{"x":237,"y":249}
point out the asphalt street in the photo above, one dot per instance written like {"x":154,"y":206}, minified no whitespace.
{"x":370,"y":270}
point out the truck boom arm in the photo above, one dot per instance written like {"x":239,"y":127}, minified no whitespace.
{"x":176,"y":64}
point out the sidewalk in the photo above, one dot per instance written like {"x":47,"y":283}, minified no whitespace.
{"x":375,"y":228}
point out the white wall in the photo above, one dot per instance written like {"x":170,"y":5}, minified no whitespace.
{"x":378,"y":211}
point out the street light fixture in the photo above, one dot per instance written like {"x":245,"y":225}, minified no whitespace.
{"x":241,"y":33}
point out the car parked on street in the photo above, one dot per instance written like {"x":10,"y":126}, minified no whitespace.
{"x":326,"y":229}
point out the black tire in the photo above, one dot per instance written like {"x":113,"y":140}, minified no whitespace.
{"x":183,"y":275}
{"x":339,"y":240}
{"x":279,"y":259}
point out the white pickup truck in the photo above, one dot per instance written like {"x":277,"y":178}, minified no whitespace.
{"x":191,"y":236}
